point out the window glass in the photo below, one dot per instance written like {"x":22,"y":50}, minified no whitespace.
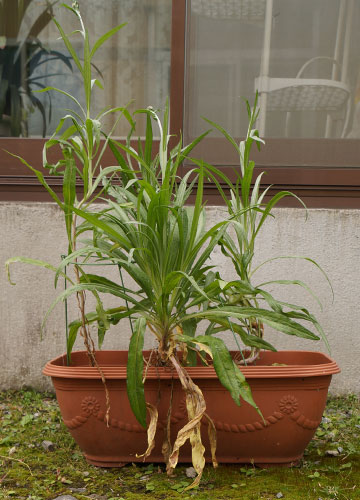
{"x":302,"y":56}
{"x":135,"y":63}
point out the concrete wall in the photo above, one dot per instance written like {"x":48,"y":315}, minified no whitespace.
{"x":36,"y":230}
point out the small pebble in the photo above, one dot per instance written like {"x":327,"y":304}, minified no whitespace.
{"x":279,"y":495}
{"x":48,"y":445}
{"x":65,"y":497}
{"x":190,"y":472}
{"x":86,"y":473}
{"x":332,"y":453}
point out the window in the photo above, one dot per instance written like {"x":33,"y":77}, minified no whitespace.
{"x":304,"y":64}
{"x":135,"y":65}
{"x":306,"y":68}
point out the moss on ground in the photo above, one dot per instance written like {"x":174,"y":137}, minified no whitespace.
{"x":27,"y":471}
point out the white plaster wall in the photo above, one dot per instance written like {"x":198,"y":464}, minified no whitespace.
{"x":330,"y":237}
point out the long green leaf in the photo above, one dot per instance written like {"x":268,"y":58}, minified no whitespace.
{"x":116,"y":291}
{"x":248,"y":339}
{"x":298,"y":257}
{"x":223,"y":365}
{"x":277,"y":321}
{"x":34,"y":262}
{"x":189,"y":329}
{"x":270,"y":205}
{"x":135,"y":367}
{"x":224,"y":132}
{"x":69,"y":192}
{"x":97,"y":222}
{"x":99,"y":42}
{"x":114,"y":316}
{"x":293,"y":282}
{"x":46,"y":89}
{"x":41,"y":178}
{"x":245,"y":390}
{"x":69,"y":46}
{"x":87,"y":71}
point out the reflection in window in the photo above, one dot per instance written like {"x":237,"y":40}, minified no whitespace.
{"x":135,"y":63}
{"x":302,"y":57}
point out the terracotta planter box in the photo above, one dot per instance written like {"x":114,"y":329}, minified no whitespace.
{"x":292,"y":399}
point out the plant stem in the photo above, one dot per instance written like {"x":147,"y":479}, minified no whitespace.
{"x":84,"y":330}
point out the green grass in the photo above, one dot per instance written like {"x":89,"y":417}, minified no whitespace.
{"x":29,"y":472}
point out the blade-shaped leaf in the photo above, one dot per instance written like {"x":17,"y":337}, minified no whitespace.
{"x":245,"y":390}
{"x":135,"y":366}
{"x":34,"y":262}
{"x":105,"y":37}
{"x":223,"y":365}
{"x":69,"y":46}
{"x":40,"y":177}
{"x":69,"y":191}
{"x":276,"y":320}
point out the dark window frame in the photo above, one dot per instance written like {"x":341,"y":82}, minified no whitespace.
{"x":325,"y":173}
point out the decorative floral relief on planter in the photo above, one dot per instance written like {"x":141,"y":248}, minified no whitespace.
{"x":288,"y":404}
{"x":90,"y":406}
{"x":288,"y":407}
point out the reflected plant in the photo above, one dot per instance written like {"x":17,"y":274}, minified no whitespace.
{"x":19,"y":60}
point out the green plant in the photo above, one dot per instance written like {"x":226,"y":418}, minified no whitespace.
{"x":148,"y":229}
{"x":161,"y":242}
{"x":78,"y":135}
{"x":248,"y":210}
{"x":163,"y":245}
{"x":19,"y":59}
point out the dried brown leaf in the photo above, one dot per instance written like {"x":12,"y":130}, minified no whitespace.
{"x":212,"y":439}
{"x":151,"y":431}
{"x":197,"y":448}
{"x":195,"y":404}
{"x":166,"y":449}
{"x":204,"y":348}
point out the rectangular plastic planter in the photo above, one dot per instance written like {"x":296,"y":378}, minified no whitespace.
{"x":291,"y":398}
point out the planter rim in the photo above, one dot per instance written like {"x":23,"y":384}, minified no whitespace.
{"x":310,"y":364}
